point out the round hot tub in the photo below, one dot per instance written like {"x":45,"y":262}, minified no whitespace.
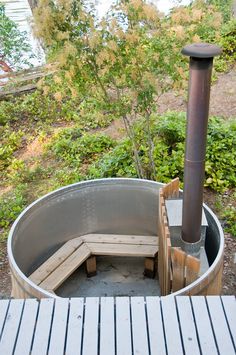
{"x":106,"y":206}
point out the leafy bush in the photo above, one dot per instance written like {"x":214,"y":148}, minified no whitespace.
{"x":36,"y":107}
{"x":221,"y":154}
{"x":168,"y":133}
{"x":66,"y":176}
{"x":116,"y":163}
{"x":11,"y":204}
{"x":75,"y":148}
{"x":10,"y":142}
{"x":229,"y":216}
{"x":41,"y":108}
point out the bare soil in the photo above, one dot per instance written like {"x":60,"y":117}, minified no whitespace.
{"x":223,"y":103}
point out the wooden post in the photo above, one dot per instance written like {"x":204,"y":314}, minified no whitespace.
{"x":150,"y":267}
{"x":91,"y":266}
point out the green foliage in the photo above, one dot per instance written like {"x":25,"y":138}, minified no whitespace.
{"x":228,"y":43}
{"x":36,"y":107}
{"x":10,"y":142}
{"x":223,"y":6}
{"x":221,"y":154}
{"x":93,"y":115}
{"x":226,"y":210}
{"x":75,"y":147}
{"x":11,"y":204}
{"x":18,"y":172}
{"x":168,"y":132}
{"x":14,"y":45}
{"x":229,"y":215}
{"x":66,"y":176}
{"x":117,"y":163}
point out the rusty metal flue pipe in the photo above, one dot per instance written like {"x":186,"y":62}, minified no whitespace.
{"x":201,"y":61}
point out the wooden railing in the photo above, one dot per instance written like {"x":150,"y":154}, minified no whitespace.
{"x":13,"y":83}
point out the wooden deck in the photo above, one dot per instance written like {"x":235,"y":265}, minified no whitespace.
{"x":121,"y":326}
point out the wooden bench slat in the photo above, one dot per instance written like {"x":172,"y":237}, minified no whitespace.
{"x":155,"y":326}
{"x":75,"y":327}
{"x":107,"y":326}
{"x":120,"y":239}
{"x":11,"y":327}
{"x":27,"y":325}
{"x":90,"y":338}
{"x":122,"y":249}
{"x":139,"y":326}
{"x":47,"y":276}
{"x":55,"y":260}
{"x":43,"y":326}
{"x":59,"y":275}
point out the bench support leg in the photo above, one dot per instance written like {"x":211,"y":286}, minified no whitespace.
{"x":150,"y":267}
{"x":91,"y":266}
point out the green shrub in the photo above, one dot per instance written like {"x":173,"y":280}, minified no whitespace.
{"x":168,"y":133}
{"x":36,"y":107}
{"x":10,"y":142}
{"x":11,"y":204}
{"x":66,"y":176}
{"x":116,"y":163}
{"x":229,"y":215}
{"x":75,"y":148}
{"x":221,"y":154}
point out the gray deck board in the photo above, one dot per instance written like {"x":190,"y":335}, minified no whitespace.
{"x":43,"y":326}
{"x":107,"y":326}
{"x":3,"y":312}
{"x":203,"y":325}
{"x":139,"y":326}
{"x":11,"y":327}
{"x":59,"y":325}
{"x":219,"y":325}
{"x":119,"y":326}
{"x":26,"y":331}
{"x":90,"y":339}
{"x":229,"y":305}
{"x":187,"y":325}
{"x":123,"y":327}
{"x":75,"y":327}
{"x":171,"y":326}
{"x":155,"y":326}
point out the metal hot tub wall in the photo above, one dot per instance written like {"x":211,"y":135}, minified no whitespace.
{"x":118,"y":206}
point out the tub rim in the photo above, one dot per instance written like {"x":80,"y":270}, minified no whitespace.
{"x":90,"y":183}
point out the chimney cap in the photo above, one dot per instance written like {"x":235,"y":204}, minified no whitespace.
{"x":201,"y":50}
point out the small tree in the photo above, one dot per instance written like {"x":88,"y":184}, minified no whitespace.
{"x":123,"y":63}
{"x":13,"y":44}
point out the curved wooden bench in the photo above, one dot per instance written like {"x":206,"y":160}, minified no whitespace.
{"x":55,"y":270}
